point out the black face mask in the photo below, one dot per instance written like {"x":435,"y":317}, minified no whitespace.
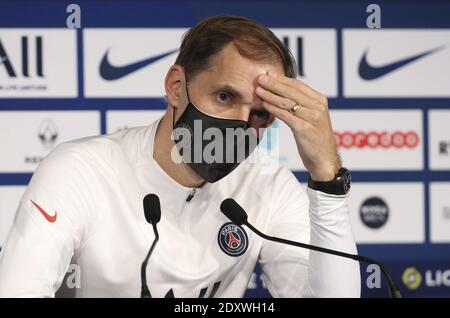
{"x":228,"y":154}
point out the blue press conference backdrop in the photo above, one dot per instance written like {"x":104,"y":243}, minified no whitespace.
{"x":388,"y":89}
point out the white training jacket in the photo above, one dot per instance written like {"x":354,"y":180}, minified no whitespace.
{"x":84,"y":203}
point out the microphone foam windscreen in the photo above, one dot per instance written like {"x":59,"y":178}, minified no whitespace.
{"x":152,"y":208}
{"x":233,"y":211}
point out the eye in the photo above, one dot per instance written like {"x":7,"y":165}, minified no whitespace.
{"x":224,"y":97}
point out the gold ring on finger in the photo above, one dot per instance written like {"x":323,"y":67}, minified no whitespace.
{"x":295,"y":108}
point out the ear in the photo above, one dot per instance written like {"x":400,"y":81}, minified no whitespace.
{"x":174,"y":85}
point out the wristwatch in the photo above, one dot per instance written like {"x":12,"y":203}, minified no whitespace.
{"x":340,"y":185}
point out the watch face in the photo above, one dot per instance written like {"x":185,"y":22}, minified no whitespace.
{"x":347,"y":180}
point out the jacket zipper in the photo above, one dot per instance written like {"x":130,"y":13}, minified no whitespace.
{"x":191,"y":195}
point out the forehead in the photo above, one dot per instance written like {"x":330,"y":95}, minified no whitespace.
{"x":231,"y":70}
{"x":230,"y":64}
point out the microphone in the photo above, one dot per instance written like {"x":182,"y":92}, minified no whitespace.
{"x":152,"y":212}
{"x":238,"y":216}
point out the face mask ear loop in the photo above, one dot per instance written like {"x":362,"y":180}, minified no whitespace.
{"x":173,"y":117}
{"x":187,"y":92}
{"x":174,"y":109}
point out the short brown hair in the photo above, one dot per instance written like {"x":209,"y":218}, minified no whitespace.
{"x":252,"y":40}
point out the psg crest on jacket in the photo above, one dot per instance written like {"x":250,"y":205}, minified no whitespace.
{"x":232,"y":239}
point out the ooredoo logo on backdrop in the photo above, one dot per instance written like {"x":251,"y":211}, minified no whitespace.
{"x":367,"y":140}
{"x":30,"y":135}
{"x":38,"y":63}
{"x":128,"y":62}
{"x":374,"y":139}
{"x":379,"y":139}
{"x":396,"y":62}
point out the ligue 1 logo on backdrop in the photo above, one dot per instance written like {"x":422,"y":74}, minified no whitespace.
{"x":232,"y":239}
{"x":412,"y":278}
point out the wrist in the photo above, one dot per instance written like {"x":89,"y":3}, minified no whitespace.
{"x":323,"y":174}
{"x":339,"y":185}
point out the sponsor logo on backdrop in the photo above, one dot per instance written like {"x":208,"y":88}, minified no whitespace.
{"x":39,"y":62}
{"x":433,"y":278}
{"x":297,"y":41}
{"x":374,"y":139}
{"x":368,"y":140}
{"x":374,"y":212}
{"x":47,"y":135}
{"x":32,"y":134}
{"x":412,"y":278}
{"x":382,"y":139}
{"x":128,"y":62}
{"x":111,"y":72}
{"x":317,"y":70}
{"x":22,"y":69}
{"x":118,"y":62}
{"x":386,"y":63}
{"x":437,"y":278}
{"x":444,"y":147}
{"x":439,"y":139}
{"x":387,"y":212}
{"x":370,"y":72}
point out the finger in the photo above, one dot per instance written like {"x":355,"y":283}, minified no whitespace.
{"x":289,"y":92}
{"x":289,"y":119}
{"x":282,"y":102}
{"x":303,"y":87}
{"x":312,"y":116}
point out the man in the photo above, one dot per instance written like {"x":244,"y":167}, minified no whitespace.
{"x":85,"y":200}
